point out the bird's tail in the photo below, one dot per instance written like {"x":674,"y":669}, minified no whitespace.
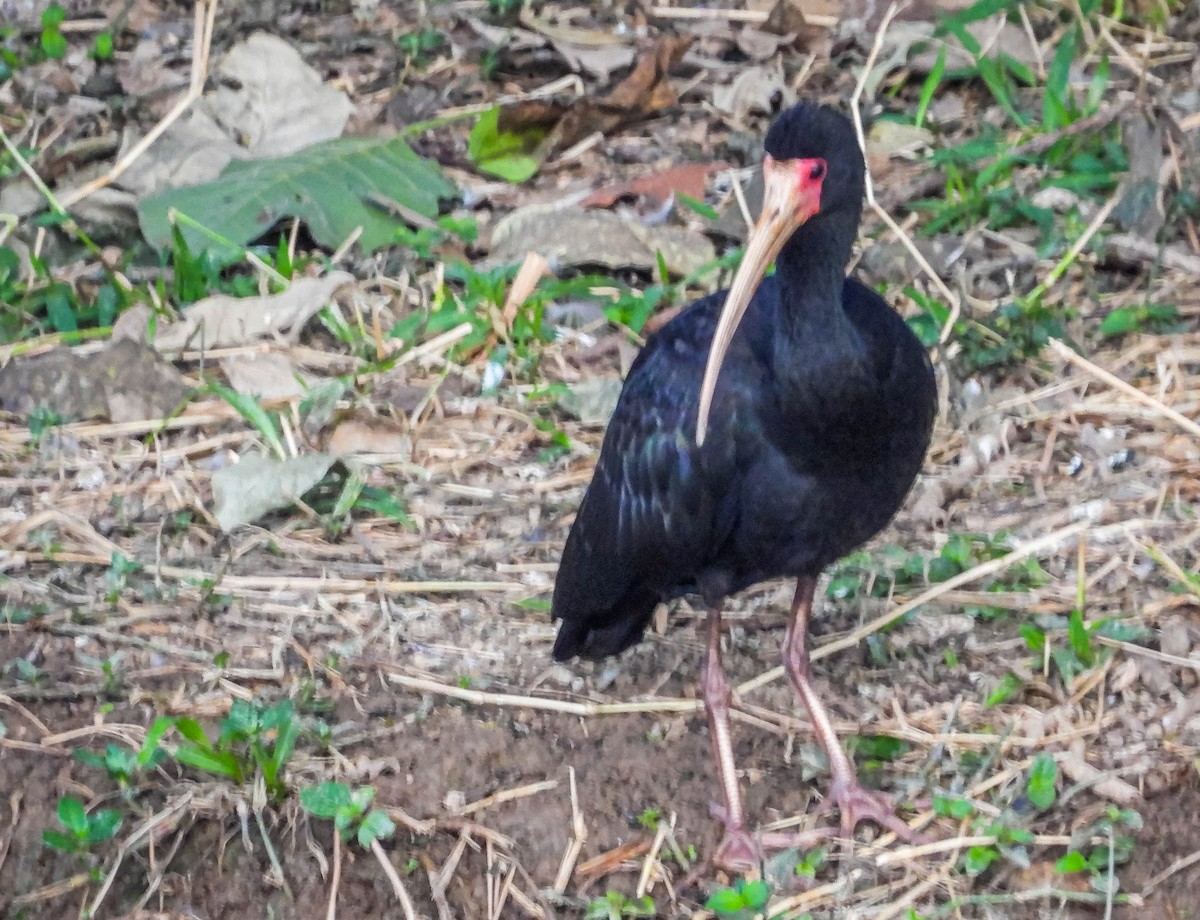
{"x":598,"y":635}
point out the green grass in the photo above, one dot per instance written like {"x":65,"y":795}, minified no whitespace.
{"x":993,"y":177}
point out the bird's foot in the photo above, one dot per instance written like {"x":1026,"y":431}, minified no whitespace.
{"x":741,"y":849}
{"x":857,"y":804}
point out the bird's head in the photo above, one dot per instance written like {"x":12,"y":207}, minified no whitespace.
{"x":813,"y":169}
{"x":812,"y":154}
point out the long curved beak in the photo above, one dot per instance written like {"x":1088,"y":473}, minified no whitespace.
{"x":791,"y":195}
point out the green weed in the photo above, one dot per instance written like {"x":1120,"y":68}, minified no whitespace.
{"x":17,"y":52}
{"x":650,"y":818}
{"x":421,"y":46}
{"x":992,"y":179}
{"x":616,"y":906}
{"x":894,"y":568}
{"x":811,"y":862}
{"x":81,"y":831}
{"x":349,"y":810}
{"x":252,"y":741}
{"x":741,"y":902}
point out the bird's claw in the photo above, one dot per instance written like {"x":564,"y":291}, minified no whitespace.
{"x":741,"y":849}
{"x":857,"y":804}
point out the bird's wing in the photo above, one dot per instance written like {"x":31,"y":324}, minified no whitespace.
{"x":654,"y":512}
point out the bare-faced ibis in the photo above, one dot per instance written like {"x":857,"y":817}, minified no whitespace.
{"x":764,"y":432}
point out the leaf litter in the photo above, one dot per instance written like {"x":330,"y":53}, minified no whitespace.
{"x":418,"y":619}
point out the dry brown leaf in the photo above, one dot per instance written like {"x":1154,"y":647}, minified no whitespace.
{"x":1109,"y":787}
{"x":599,"y":62}
{"x":760,"y":45}
{"x":265,"y":376}
{"x":221,"y":321}
{"x":377,"y":436}
{"x":645,"y":92}
{"x":657,"y":187}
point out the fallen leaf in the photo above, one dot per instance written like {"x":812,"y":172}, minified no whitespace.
{"x":761,"y":89}
{"x":657,"y":187}
{"x":508,"y":37}
{"x":267,"y":103}
{"x":593,"y":400}
{"x":566,"y":31}
{"x":1109,"y":787}
{"x":125,"y":382}
{"x":599,"y":62}
{"x":337,"y":188}
{"x":787,"y":18}
{"x":265,"y":376}
{"x":274,"y":103}
{"x":511,"y":154}
{"x":1140,"y":208}
{"x":597,"y":52}
{"x":145,"y":67}
{"x":574,"y":236}
{"x":893,"y":138}
{"x":258,"y":485}
{"x":646,"y":91}
{"x":221,"y":321}
{"x":761,"y":45}
{"x":1132,"y":249}
{"x":378,"y":436}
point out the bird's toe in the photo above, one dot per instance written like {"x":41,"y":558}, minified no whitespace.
{"x":857,"y":804}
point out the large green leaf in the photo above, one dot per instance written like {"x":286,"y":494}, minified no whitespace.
{"x":333,"y":187}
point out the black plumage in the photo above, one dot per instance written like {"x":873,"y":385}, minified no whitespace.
{"x":819,"y":423}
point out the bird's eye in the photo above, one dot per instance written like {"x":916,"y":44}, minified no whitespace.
{"x":817,"y":172}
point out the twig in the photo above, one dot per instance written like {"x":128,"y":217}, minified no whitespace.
{"x":52,"y":890}
{"x":436,"y":345}
{"x":754,"y":17}
{"x":14,"y":808}
{"x":202,"y":38}
{"x":651,"y":860}
{"x":522,"y":287}
{"x":406,"y":902}
{"x":740,"y":195}
{"x":1077,"y":247}
{"x":566,"y":868}
{"x":906,"y":854}
{"x":920,"y":890}
{"x":485,"y":698}
{"x":6,"y":700}
{"x":507,"y":795}
{"x":1132,"y":649}
{"x":439,"y":881}
{"x":1183,"y":862}
{"x":790,"y":907}
{"x":904,"y":238}
{"x":1127,"y":388}
{"x":272,"y":856}
{"x":1032,"y":548}
{"x":336,"y":880}
{"x":160,"y":870}
{"x":135,"y":836}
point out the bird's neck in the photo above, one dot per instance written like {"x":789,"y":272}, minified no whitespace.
{"x":811,"y":271}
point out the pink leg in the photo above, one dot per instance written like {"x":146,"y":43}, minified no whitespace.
{"x":855,"y":803}
{"x":739,"y":850}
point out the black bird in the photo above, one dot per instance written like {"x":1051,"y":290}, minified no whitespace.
{"x":764,"y":432}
